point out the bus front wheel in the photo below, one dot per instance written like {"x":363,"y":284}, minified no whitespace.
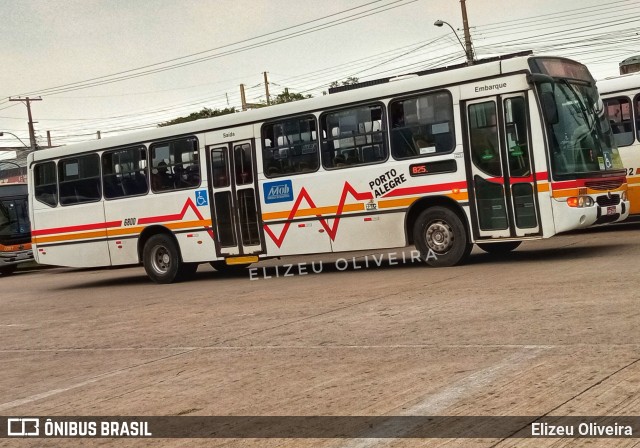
{"x":441,"y":237}
{"x":161,"y":259}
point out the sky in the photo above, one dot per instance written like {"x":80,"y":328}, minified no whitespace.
{"x":117,"y":66}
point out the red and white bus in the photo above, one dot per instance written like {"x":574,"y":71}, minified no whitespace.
{"x":510,"y":149}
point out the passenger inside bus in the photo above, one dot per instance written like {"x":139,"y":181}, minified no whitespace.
{"x":161,"y":179}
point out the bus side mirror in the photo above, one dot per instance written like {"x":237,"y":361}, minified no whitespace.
{"x":550,"y":108}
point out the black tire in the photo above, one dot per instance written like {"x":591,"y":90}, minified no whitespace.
{"x":499,"y":248}
{"x":161,"y":259}
{"x":9,"y":269}
{"x":229,"y":269}
{"x":187,"y":270}
{"x":439,"y":231}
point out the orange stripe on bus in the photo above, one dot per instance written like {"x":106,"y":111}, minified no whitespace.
{"x":314,"y":211}
{"x":68,"y":237}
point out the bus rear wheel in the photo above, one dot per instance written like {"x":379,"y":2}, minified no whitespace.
{"x":161,"y":259}
{"x":499,"y":248}
{"x":441,"y":237}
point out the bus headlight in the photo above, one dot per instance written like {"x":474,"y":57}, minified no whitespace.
{"x":580,"y":201}
{"x":623,"y":196}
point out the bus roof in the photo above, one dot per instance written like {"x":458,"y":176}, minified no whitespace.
{"x":619,"y":83}
{"x":429,"y":80}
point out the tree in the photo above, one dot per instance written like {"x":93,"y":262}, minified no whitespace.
{"x":286,"y":97}
{"x":351,"y":80}
{"x":204,"y":113}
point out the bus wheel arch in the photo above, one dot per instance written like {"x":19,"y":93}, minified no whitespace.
{"x":159,"y":252}
{"x":438,"y":226}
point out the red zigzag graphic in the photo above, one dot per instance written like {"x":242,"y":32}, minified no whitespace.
{"x":331,"y":231}
{"x":178,"y":216}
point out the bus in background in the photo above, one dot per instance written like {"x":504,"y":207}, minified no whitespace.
{"x":621,"y":96}
{"x":15,"y":232}
{"x":510,"y":149}
{"x":630,"y":65}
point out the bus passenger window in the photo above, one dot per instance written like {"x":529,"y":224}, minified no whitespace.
{"x":620,"y":118}
{"x":290,"y":147}
{"x":45,"y":183}
{"x":422,"y":126}
{"x":79,"y":179}
{"x":175,"y":165}
{"x":124,"y":172}
{"x":353,"y":137}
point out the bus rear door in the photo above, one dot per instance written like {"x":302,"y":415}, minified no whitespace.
{"x":235,"y":211}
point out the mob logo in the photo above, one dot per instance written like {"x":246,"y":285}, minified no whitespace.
{"x":280,"y":191}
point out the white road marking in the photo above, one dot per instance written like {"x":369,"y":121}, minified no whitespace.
{"x":438,"y":402}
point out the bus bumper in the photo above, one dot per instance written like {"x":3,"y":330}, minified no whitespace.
{"x":8,"y":258}
{"x":601,"y":212}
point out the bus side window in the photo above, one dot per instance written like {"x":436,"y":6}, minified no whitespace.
{"x":353,"y":137}
{"x":620,"y":119}
{"x":45,"y":183}
{"x":422,"y":126}
{"x":290,"y":147}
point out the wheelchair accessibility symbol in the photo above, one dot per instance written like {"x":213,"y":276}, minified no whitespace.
{"x":201,"y":198}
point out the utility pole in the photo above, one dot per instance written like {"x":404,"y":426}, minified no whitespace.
{"x":32,"y":134}
{"x":98,"y":135}
{"x":243,"y":99}
{"x":266,"y":88}
{"x":49,"y":139}
{"x":467,"y":35}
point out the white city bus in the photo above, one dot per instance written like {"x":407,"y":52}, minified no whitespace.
{"x":509,"y":149}
{"x":621,"y":95}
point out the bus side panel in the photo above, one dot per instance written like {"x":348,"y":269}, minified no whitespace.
{"x":177,"y":212}
{"x":304,"y":233}
{"x":360,"y":222}
{"x":123,"y":237}
{"x":630,"y":156}
{"x":66,"y":237}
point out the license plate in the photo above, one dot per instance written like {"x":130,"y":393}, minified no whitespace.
{"x":611,"y":210}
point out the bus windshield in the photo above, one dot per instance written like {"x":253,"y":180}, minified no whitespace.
{"x":580,"y":137}
{"x":14,"y":221}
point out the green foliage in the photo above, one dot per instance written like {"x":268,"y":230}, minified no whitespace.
{"x":204,"y":113}
{"x":286,"y":97}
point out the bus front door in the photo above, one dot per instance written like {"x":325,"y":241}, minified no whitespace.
{"x":501,"y":183}
{"x":234,"y":206}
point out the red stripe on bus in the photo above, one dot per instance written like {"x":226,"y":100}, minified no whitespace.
{"x":421,"y":189}
{"x":80,"y":228}
{"x":108,"y":225}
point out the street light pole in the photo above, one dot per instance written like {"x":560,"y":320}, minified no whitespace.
{"x":11,"y":133}
{"x":468,"y":50}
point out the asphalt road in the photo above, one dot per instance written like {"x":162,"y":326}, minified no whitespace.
{"x":551,"y":329}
